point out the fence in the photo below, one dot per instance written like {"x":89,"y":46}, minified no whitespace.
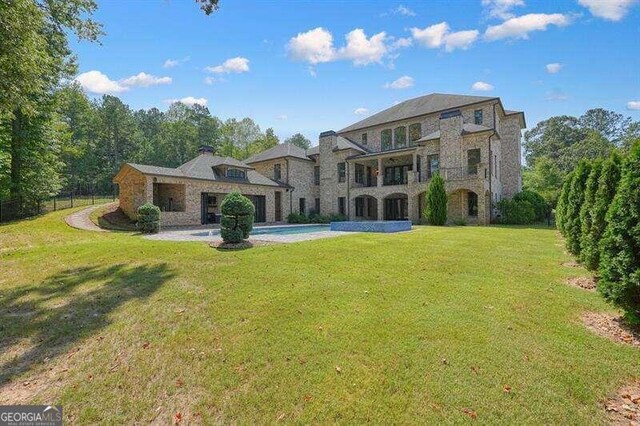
{"x":18,"y":208}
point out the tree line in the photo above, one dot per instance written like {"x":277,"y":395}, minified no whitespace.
{"x":598,"y":213}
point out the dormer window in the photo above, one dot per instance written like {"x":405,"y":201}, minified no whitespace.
{"x":236,"y":174}
{"x":477,"y":116}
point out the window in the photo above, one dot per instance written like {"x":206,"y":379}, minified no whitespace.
{"x":302,"y":206}
{"x":473,"y":159}
{"x":415,"y":132}
{"x":433,"y":165}
{"x":477,"y":116}
{"x":473,"y":203}
{"x":400,"y":137}
{"x":396,"y":175}
{"x":277,"y":172}
{"x":342,"y":205}
{"x":359,"y":206}
{"x":316,"y":205}
{"x":236,"y":173}
{"x":341,"y":172}
{"x":385,"y":139}
{"x":359,"y":173}
{"x":316,"y":175}
{"x":364,"y":139}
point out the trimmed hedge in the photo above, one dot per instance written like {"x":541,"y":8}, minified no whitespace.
{"x":620,"y":250}
{"x":563,"y":200}
{"x":237,"y":217}
{"x":572,"y":226}
{"x":436,"y":202}
{"x":315,"y":218}
{"x":587,"y":246}
{"x":516,"y":212}
{"x":148,"y":218}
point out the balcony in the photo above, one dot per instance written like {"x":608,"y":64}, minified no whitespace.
{"x":456,"y":173}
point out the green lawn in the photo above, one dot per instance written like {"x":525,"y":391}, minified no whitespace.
{"x":405,"y":328}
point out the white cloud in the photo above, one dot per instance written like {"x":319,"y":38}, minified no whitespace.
{"x":361,"y":111}
{"x":145,"y":80}
{"x":501,"y":8}
{"x":403,"y":82}
{"x":235,"y":65}
{"x":97,"y":82}
{"x":612,"y":10}
{"x":521,"y":26}
{"x":553,"y":68}
{"x":314,"y":46}
{"x":170,"y":63}
{"x":362,"y":50}
{"x":401,"y":42}
{"x":439,"y":35}
{"x":481,"y":86}
{"x":189,"y":100}
{"x":633,"y":105}
{"x":282,"y":117}
{"x":403,"y":10}
{"x":556,"y":95}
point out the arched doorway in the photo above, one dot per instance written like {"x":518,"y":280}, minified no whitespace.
{"x":463,"y":204}
{"x":366,"y":208}
{"x":396,"y":207}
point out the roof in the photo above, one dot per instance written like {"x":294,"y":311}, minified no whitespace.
{"x":344,"y":143}
{"x":201,"y":168}
{"x":279,"y":151}
{"x":467,"y":129}
{"x":314,"y":150}
{"x":422,"y":105}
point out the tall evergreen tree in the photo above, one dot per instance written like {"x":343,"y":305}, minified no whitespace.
{"x":620,"y":255}
{"x":436,"y":201}
{"x":586,"y":211}
{"x":563,"y":200}
{"x":572,"y":228}
{"x":606,"y":190}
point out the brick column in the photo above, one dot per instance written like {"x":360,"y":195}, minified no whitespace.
{"x":380,"y":208}
{"x":380,"y":173}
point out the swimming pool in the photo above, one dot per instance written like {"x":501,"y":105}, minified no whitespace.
{"x":275,"y":230}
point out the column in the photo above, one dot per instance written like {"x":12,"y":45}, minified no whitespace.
{"x":380,"y":173}
{"x":380,"y":208}
{"x":415,"y":167}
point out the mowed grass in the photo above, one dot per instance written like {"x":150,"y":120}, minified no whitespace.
{"x":416,"y":327}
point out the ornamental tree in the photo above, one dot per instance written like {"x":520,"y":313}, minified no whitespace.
{"x":586,"y":218}
{"x":436,"y":202}
{"x":237,"y":217}
{"x":620,"y":248}
{"x":575,"y":199}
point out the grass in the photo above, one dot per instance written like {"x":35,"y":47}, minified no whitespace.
{"x":404,"y":328}
{"x":111,"y":217}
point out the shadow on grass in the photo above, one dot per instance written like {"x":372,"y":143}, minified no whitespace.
{"x":65,"y":308}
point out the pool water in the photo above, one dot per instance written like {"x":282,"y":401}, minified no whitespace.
{"x":276,"y":230}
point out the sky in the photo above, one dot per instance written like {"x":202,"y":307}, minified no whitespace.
{"x":311,"y":66}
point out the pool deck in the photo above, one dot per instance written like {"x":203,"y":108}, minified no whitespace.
{"x":191,"y":235}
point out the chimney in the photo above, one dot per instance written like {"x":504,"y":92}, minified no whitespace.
{"x":205,"y":149}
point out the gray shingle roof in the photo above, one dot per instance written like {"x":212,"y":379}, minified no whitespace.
{"x":314,"y":150}
{"x":422,"y":105}
{"x":201,"y":168}
{"x":279,"y":151}
{"x":467,"y":129}
{"x":344,"y":143}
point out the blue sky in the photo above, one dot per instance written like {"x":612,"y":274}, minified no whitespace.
{"x":311,"y":66}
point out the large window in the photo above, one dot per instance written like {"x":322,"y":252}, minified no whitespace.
{"x":385,"y":139}
{"x":316,"y":175}
{"x":400,"y":137}
{"x":342,"y":174}
{"x":396,"y":175}
{"x":364,"y":139}
{"x":477,"y":116}
{"x":359,"y":170}
{"x":303,"y":205}
{"x":415,"y":132}
{"x":277,"y":171}
{"x":236,"y":173}
{"x":473,"y":159}
{"x":473,"y":203}
{"x":342,"y":203}
{"x":433,"y":165}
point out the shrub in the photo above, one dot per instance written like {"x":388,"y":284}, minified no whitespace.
{"x":572,"y":228}
{"x":436,"y":202}
{"x":620,"y":250}
{"x":148,"y":218}
{"x":337,"y":217}
{"x":515,"y":212}
{"x":297,"y":218}
{"x":460,"y":222}
{"x":562,"y":202}
{"x":586,"y":219}
{"x":540,"y":206}
{"x":607,"y":185}
{"x":237,"y":217}
{"x":318,"y":218}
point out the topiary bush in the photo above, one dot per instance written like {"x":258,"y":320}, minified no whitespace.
{"x":297,"y":218}
{"x":237,"y":217}
{"x":436,"y":201}
{"x":148,"y":218}
{"x":607,"y":186}
{"x":515,"y":212}
{"x":540,"y":206}
{"x":586,"y":212}
{"x":575,"y":199}
{"x":620,"y":249}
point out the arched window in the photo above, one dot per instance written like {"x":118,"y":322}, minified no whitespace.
{"x":400,"y":137}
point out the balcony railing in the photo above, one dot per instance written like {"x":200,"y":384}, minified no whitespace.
{"x":454,"y":173}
